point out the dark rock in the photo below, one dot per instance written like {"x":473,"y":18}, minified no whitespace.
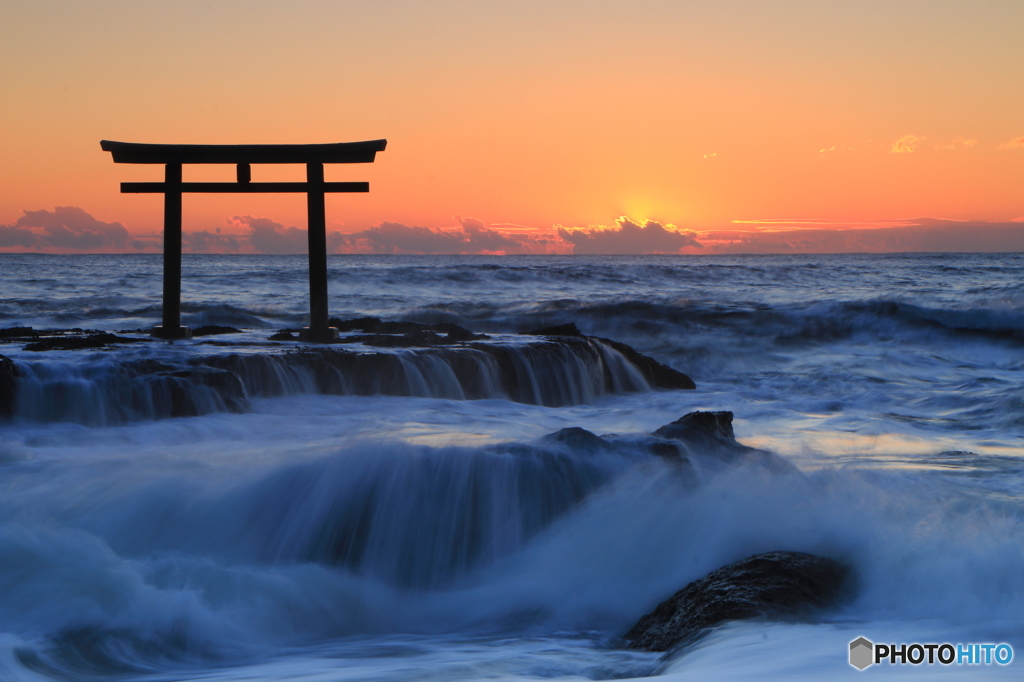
{"x":577,"y":439}
{"x":18,"y":333}
{"x":99,"y":340}
{"x":9,"y":373}
{"x":711,"y":434}
{"x":374,"y":325}
{"x":558,"y":330}
{"x":359,"y":324}
{"x":418,"y":339}
{"x":700,"y":428}
{"x":414,"y":333}
{"x":786,"y":585}
{"x":399,"y":328}
{"x":657,"y":374}
{"x":456,"y":333}
{"x":284,"y":335}
{"x":664,"y":449}
{"x":211,"y":329}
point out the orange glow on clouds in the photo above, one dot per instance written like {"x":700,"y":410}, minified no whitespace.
{"x":527,"y":117}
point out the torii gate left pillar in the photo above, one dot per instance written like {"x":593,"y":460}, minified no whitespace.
{"x":314,"y":156}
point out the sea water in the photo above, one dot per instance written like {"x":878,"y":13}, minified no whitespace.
{"x":422,"y":536}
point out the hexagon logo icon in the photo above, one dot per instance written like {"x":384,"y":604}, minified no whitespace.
{"x":861,"y":653}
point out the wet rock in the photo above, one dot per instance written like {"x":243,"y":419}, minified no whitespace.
{"x":657,"y":374}
{"x":374,"y":325}
{"x":711,"y":434}
{"x":98,"y":340}
{"x":577,"y":438}
{"x":665,"y":450}
{"x":211,"y":329}
{"x":18,"y":333}
{"x":558,"y":330}
{"x":359,"y":324}
{"x":418,"y":339}
{"x":284,"y":335}
{"x":398,"y":328}
{"x":777,"y":585}
{"x":9,"y":373}
{"x":701,"y":427}
{"x":456,"y":333}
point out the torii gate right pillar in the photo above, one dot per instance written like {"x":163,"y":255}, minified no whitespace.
{"x":319,"y":330}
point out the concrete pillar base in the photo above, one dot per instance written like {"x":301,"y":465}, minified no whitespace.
{"x":162,"y":332}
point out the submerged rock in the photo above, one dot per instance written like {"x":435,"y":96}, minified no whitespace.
{"x":773,"y":585}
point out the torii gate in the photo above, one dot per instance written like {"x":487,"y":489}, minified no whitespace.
{"x":242,"y":155}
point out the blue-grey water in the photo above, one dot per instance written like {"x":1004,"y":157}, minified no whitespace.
{"x":139,"y":547}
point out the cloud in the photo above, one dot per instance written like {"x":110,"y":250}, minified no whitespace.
{"x":906,"y":144}
{"x":1012,"y":144}
{"x":205,"y":241}
{"x":627,"y":237}
{"x":470,"y":237}
{"x":268,"y":236}
{"x":957,"y":143}
{"x":836,"y":148}
{"x":66,"y":228}
{"x":921,"y":235}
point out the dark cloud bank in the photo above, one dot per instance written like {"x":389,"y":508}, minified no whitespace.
{"x":66,"y":228}
{"x":71,"y":229}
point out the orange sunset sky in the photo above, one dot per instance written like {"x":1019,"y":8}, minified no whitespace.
{"x":557,"y":126}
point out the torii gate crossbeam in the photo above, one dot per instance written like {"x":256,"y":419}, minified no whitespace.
{"x":173,"y":156}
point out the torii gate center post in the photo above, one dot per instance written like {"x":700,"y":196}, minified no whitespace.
{"x":242,"y":155}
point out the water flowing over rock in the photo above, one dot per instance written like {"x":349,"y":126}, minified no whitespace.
{"x":106,"y":388}
{"x":9,"y":374}
{"x":772,"y":585}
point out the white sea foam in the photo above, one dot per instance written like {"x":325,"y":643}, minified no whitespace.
{"x":401,"y":537}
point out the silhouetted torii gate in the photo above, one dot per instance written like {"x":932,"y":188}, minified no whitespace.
{"x":242,"y":155}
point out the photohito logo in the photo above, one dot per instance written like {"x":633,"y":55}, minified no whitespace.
{"x":863,"y":653}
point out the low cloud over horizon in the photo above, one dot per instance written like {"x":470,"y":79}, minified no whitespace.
{"x":628,"y":238}
{"x":65,"y":228}
{"x":70,"y":229}
{"x":921,"y":235}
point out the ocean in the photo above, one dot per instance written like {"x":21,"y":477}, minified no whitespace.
{"x":427,"y":533}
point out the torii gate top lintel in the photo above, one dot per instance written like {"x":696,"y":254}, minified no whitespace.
{"x":173,"y":156}
{"x":340,"y":152}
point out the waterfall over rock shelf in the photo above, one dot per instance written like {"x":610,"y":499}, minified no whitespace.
{"x":103,"y":389}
